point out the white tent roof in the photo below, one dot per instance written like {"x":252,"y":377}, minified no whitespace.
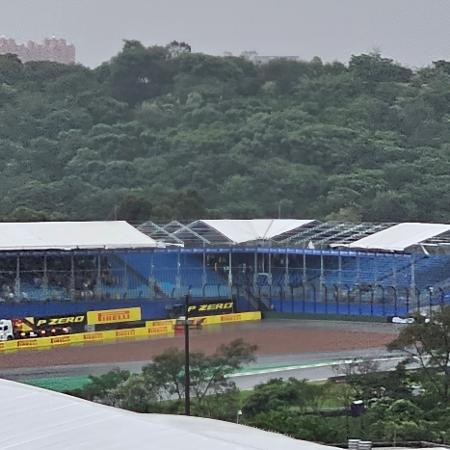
{"x":72,"y":235}
{"x":239,"y":231}
{"x":39,"y":419}
{"x":400,"y":237}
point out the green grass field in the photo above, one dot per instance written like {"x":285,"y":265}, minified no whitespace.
{"x":60,"y":384}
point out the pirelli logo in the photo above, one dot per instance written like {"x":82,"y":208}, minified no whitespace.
{"x":93,"y":336}
{"x":160,"y":330}
{"x":231,"y":318}
{"x":27,"y":343}
{"x":113,"y":316}
{"x":60,"y":340}
{"x":126,"y":333}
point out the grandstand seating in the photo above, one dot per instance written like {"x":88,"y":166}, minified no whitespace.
{"x":154,"y":276}
{"x":161,"y":268}
{"x":366,"y":270}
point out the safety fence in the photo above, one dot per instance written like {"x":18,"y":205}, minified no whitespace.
{"x":310,"y":298}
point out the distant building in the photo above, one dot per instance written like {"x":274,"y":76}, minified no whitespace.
{"x":259,"y":59}
{"x":52,"y":49}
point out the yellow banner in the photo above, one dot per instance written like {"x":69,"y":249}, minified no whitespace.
{"x":61,"y":340}
{"x":229,"y":318}
{"x":128,"y":333}
{"x":27,"y":343}
{"x":161,"y":330}
{"x":160,"y":323}
{"x":93,"y":337}
{"x":113,"y":316}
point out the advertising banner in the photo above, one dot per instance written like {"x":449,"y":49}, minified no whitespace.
{"x":106,"y":316}
{"x":60,"y":321}
{"x":211,"y":308}
{"x":128,"y":333}
{"x":60,"y":340}
{"x":75,"y":322}
{"x":27,"y":343}
{"x":230,"y":318}
{"x":93,"y":337}
{"x":159,"y":323}
{"x":161,"y":330}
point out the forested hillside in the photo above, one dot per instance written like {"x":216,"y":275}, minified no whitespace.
{"x":164,"y":133}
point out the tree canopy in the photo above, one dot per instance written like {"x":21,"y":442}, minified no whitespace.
{"x":164,"y":133}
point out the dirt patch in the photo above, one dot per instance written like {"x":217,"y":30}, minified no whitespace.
{"x":271,"y":338}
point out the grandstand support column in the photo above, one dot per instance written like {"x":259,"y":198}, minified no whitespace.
{"x":339,"y":268}
{"x":286,"y":272}
{"x":394,"y":271}
{"x":304,"y":280}
{"x":321,"y":276}
{"x":72,"y":277}
{"x":255,"y":271}
{"x":413,"y":280}
{"x":269,"y":280}
{"x":358,"y":267}
{"x":230,"y":273}
{"x":45,"y":279}
{"x":204,"y":276}
{"x":151,"y":280}
{"x":178,"y":277}
{"x":375,"y":269}
{"x":18,"y":289}
{"x":98,"y":284}
{"x":125,"y":273}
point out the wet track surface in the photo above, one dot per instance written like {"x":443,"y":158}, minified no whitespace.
{"x":299,"y":348}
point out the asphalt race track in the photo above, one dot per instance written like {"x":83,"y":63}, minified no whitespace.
{"x":286,"y":348}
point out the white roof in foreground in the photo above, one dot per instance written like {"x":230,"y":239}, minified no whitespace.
{"x":39,"y":419}
{"x":400,"y":237}
{"x":72,"y":235}
{"x":239,"y":231}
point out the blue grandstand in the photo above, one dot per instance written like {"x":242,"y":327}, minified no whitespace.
{"x":289,"y":266}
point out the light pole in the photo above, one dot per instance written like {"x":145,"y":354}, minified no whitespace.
{"x":187,"y":374}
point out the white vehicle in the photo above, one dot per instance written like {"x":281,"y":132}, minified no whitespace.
{"x":409,"y":320}
{"x":6,"y":330}
{"x":30,"y":327}
{"x":403,"y":320}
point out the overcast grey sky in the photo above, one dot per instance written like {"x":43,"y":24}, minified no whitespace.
{"x":414,"y":32}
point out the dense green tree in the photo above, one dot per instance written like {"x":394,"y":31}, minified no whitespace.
{"x":160,"y":385}
{"x":375,"y":68}
{"x":138,"y":73}
{"x":165,"y":132}
{"x":427,"y":342}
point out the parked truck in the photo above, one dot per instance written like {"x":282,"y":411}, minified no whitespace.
{"x":32,"y":327}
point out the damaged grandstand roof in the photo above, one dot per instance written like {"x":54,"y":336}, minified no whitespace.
{"x":70,"y":422}
{"x":224,"y":232}
{"x":72,"y":236}
{"x":400,"y":237}
{"x":291,"y":233}
{"x":242,"y":231}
